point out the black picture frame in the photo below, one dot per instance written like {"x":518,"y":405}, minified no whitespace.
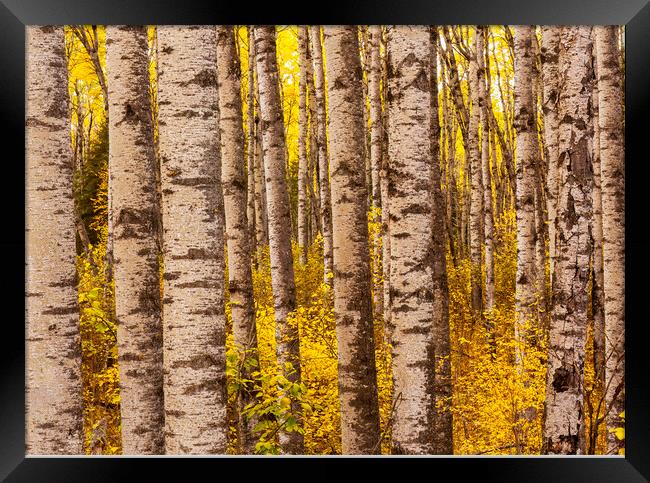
{"x":16,"y":14}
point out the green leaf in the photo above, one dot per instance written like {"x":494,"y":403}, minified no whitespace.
{"x":291,"y":424}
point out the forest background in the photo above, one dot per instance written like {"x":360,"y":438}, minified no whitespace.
{"x":492,"y":385}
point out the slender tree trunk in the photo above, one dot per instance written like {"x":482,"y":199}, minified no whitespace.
{"x":279,"y":222}
{"x":455,"y":89}
{"x":374,"y":80}
{"x":550,"y":51}
{"x":323,"y":161}
{"x":374,"y":89}
{"x":303,"y":219}
{"x":134,"y":212}
{"x":540,"y":179}
{"x":527,"y":157}
{"x":452,"y":190}
{"x":476,"y":182}
{"x":597,"y":277}
{"x":251,"y":212}
{"x":612,"y":164}
{"x":312,"y":163}
{"x":383,"y":186}
{"x":488,"y":223}
{"x":352,"y":286}
{"x":234,"y":196}
{"x":466,"y":219}
{"x":412,"y":257}
{"x":564,"y":429}
{"x":527,"y":153}
{"x":53,"y":399}
{"x":261,"y":219}
{"x":442,"y":389}
{"x":364,"y":50}
{"x":91,"y":45}
{"x":193,"y":306}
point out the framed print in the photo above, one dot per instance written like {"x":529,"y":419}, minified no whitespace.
{"x":385,"y":234}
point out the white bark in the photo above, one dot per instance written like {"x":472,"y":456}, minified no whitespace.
{"x":484,"y":101}
{"x":323,"y":159}
{"x":564,"y":428}
{"x":352,"y":286}
{"x":193,"y":306}
{"x":410,"y":178}
{"x":612,"y":163}
{"x":550,"y":51}
{"x":53,"y":350}
{"x":527,"y":157}
{"x":476,"y":182}
{"x":303,"y":203}
{"x":279,"y":219}
{"x":234,"y":195}
{"x":135,"y":213}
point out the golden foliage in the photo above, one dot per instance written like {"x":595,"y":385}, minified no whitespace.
{"x":490,"y":391}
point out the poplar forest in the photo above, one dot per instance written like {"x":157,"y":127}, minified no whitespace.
{"x":325,"y":240}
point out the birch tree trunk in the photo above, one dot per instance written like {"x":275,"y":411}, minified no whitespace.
{"x":323,"y":160}
{"x":612,"y":164}
{"x":484,"y":101}
{"x":134,"y":212}
{"x":564,"y":429}
{"x":53,"y":399}
{"x":598,"y":301}
{"x":193,"y":306}
{"x":364,"y":51}
{"x":383,"y":186}
{"x":279,"y":218}
{"x":251,"y":212}
{"x":411,"y":239}
{"x":312,"y":163}
{"x":303,"y":219}
{"x":527,"y":157}
{"x":352,"y":289}
{"x":261,"y":219}
{"x":442,"y":389}
{"x":376,"y":135}
{"x":476,"y":183}
{"x":540,"y":180}
{"x":550,"y":51}
{"x":374,"y":91}
{"x":597,"y":275}
{"x":234,"y":197}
